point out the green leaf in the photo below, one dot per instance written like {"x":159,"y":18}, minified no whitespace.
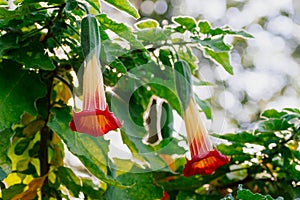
{"x":91,"y":190}
{"x":169,"y":146}
{"x":142,"y":187}
{"x":69,"y":179}
{"x":221,"y":58}
{"x":225,"y":31}
{"x":120,"y":29}
{"x":126,"y":6}
{"x":19,"y":12}
{"x":8,"y":41}
{"x":13,"y":190}
{"x":274,"y":125}
{"x":148,"y":23}
{"x":91,"y":151}
{"x":241,"y":137}
{"x":204,"y":27}
{"x":188,"y":56}
{"x":95,"y":5}
{"x":19,"y":90}
{"x":204,"y":106}
{"x":117,"y":64}
{"x":153,"y":35}
{"x":33,"y":56}
{"x":247,"y":194}
{"x":165,"y":56}
{"x":217,"y":45}
{"x":187,"y":23}
{"x":272,"y":113}
{"x":110,"y":51}
{"x":5,"y":143}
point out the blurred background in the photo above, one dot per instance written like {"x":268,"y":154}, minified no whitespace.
{"x":266,"y":68}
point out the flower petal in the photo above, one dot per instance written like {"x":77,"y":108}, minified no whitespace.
{"x":95,"y":123}
{"x":206,"y":164}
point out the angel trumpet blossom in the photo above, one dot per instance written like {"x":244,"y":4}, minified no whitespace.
{"x":204,"y":158}
{"x":95,"y":118}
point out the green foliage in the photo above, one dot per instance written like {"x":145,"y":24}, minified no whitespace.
{"x":15,"y":98}
{"x":42,"y":45}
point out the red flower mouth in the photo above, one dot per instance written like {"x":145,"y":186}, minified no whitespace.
{"x":206,"y":164}
{"x":95,"y":123}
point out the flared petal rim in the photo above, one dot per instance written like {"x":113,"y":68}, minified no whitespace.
{"x":205,"y":164}
{"x":96,"y":122}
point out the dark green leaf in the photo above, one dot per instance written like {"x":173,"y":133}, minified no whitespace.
{"x":187,"y":23}
{"x":13,"y":190}
{"x":148,"y":23}
{"x":126,"y":6}
{"x":204,"y":27}
{"x":142,"y":187}
{"x":165,"y":56}
{"x":221,"y":58}
{"x":167,"y":120}
{"x":33,"y":56}
{"x":21,"y":146}
{"x":19,"y":89}
{"x":204,"y":106}
{"x":8,"y":41}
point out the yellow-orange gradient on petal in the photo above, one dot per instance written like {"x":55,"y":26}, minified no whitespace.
{"x":95,"y":118}
{"x":205,"y":159}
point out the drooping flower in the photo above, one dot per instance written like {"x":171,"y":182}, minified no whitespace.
{"x":204,"y":158}
{"x":95,"y":118}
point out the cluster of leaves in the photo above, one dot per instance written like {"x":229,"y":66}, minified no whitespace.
{"x":40,"y":49}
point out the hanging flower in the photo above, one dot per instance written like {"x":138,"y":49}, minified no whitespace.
{"x":204,"y":158}
{"x":95,"y":118}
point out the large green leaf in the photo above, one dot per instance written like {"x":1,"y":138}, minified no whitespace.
{"x":124,"y":5}
{"x":5,"y":162}
{"x":120,"y":29}
{"x":143,"y":187}
{"x":19,"y":90}
{"x":221,"y":58}
{"x":90,"y":150}
{"x":8,"y":41}
{"x":33,"y":56}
